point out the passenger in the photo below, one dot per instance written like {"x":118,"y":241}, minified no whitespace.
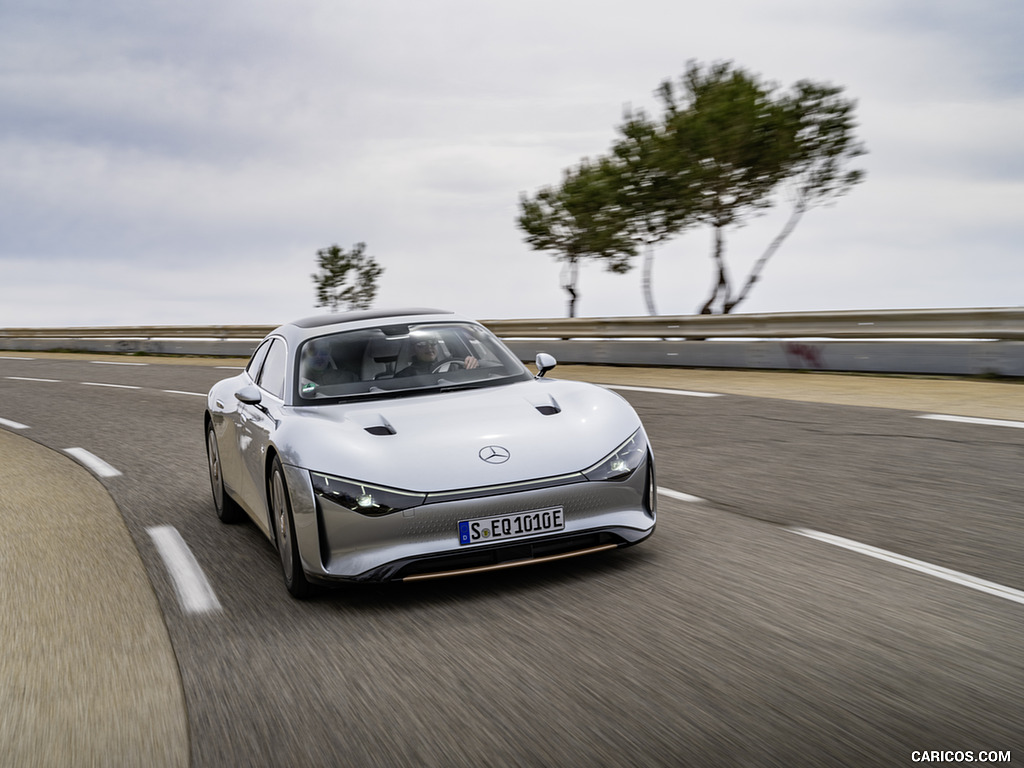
{"x":319,"y":368}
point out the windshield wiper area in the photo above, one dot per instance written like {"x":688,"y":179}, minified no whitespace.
{"x":451,"y":386}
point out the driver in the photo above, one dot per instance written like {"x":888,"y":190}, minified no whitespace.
{"x":426,"y":358}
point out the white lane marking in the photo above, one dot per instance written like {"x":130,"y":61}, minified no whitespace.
{"x":109,"y":362}
{"x":97,"y":465}
{"x":685,"y":392}
{"x":115,"y":386}
{"x":989,"y":587}
{"x":12,"y":424}
{"x":8,"y":357}
{"x":194,"y":592}
{"x":678,"y":495}
{"x":229,"y":368}
{"x":973,"y":420}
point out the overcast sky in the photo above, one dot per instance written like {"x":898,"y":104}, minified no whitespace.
{"x":182,"y":162}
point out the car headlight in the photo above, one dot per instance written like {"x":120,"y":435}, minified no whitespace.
{"x":372,"y":500}
{"x":622,"y":462}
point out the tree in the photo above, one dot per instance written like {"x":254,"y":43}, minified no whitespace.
{"x":726,"y":148}
{"x":579,"y":220}
{"x":737,"y":141}
{"x":825,"y":143}
{"x":657,"y":203}
{"x":346,"y":279}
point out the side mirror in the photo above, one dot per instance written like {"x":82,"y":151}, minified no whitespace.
{"x":249,"y":394}
{"x":545,"y":363}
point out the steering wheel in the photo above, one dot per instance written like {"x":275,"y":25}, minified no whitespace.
{"x":448,"y":365}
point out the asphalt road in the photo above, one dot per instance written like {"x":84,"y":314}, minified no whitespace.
{"x":731,"y":637}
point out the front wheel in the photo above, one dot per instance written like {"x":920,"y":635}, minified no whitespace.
{"x":284,"y":530}
{"x":227,"y":509}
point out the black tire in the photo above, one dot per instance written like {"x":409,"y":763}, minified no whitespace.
{"x":284,"y":532}
{"x":227,"y":509}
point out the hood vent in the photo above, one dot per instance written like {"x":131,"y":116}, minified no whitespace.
{"x":374,"y":423}
{"x":546,"y":406}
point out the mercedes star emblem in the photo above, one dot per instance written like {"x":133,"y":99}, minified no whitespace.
{"x":494,"y":454}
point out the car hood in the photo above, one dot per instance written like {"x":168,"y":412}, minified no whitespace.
{"x":435,"y":442}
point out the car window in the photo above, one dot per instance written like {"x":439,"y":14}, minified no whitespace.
{"x":253,"y":368}
{"x":271,"y":377}
{"x":399,"y":359}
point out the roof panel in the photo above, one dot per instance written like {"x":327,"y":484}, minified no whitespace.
{"x":318,"y":321}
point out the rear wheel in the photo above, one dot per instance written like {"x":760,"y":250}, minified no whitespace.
{"x":227,"y":508}
{"x":284,"y":530}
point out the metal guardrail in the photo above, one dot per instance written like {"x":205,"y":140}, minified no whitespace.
{"x":1001,"y":324}
{"x":929,"y":341}
{"x":996,"y":324}
{"x":142,"y":332}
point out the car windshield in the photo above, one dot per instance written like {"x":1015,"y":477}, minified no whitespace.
{"x":403,"y":359}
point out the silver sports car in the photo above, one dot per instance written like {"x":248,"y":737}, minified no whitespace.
{"x":375,"y":446}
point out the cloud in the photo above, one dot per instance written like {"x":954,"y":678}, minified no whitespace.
{"x":177,"y":162}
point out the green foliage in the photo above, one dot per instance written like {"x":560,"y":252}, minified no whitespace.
{"x":724,"y":149}
{"x":578,"y":220}
{"x":657,"y":200}
{"x":825,"y":143}
{"x":728,"y":139}
{"x":346,"y":280}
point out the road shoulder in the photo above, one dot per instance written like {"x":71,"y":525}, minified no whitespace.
{"x":87,"y":673}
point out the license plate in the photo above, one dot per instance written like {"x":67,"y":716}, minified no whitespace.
{"x":505,"y":527}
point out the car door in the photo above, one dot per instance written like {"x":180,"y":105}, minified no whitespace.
{"x":256,"y":426}
{"x":228,"y":425}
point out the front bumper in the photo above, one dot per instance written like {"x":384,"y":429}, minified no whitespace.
{"x":339,"y":545}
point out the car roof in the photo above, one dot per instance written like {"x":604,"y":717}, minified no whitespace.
{"x":298,"y":331}
{"x":318,"y":321}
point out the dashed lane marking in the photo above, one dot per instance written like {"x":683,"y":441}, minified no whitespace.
{"x":938,"y":571}
{"x":973,"y":420}
{"x":989,"y":587}
{"x":194,"y":592}
{"x":111,"y":362}
{"x":12,"y":424}
{"x":92,"y":462}
{"x":656,"y":390}
{"x":679,"y":496}
{"x":112,"y":386}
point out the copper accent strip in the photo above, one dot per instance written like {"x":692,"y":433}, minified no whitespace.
{"x":510,"y":564}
